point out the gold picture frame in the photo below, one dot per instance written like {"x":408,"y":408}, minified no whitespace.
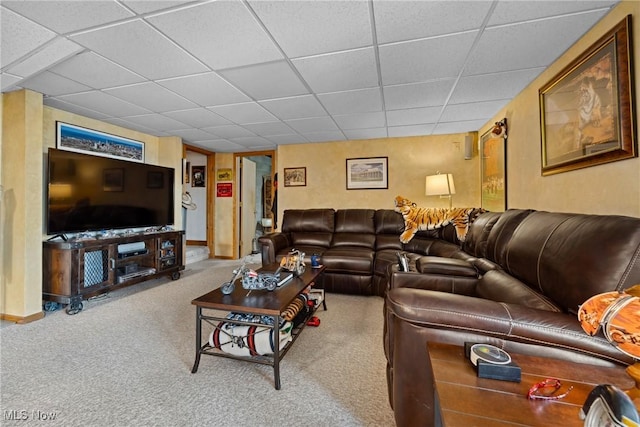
{"x":587,"y":110}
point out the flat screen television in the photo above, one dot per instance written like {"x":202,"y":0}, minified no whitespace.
{"x":94,"y":193}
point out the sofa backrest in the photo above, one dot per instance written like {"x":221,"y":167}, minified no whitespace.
{"x":388,"y":227}
{"x":475,"y":243}
{"x":571,"y":257}
{"x":354,"y":227}
{"x":501,"y":234}
{"x":309,"y":227}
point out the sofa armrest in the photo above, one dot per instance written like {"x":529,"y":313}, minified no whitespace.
{"x":449,"y":266}
{"x":464,"y":285}
{"x":271,"y":244}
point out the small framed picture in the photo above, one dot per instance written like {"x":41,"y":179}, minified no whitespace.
{"x":295,"y":177}
{"x":197,"y":176}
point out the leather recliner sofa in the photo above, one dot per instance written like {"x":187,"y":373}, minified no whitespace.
{"x":357,"y":246}
{"x":534,"y":270}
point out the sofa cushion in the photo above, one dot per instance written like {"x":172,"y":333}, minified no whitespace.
{"x":446,"y":266}
{"x":349,"y":260}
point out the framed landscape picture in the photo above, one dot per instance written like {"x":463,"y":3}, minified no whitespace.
{"x":493,"y":172}
{"x":368,"y":173}
{"x":587,"y":110}
{"x":87,"y":141}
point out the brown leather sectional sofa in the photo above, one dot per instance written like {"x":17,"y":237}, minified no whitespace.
{"x":356,"y":245}
{"x":516,"y":282}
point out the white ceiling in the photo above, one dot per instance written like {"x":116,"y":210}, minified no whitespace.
{"x":235,"y":76}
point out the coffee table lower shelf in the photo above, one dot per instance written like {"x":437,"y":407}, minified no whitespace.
{"x":271,"y":360}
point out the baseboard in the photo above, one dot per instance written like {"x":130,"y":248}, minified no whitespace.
{"x":20,"y":319}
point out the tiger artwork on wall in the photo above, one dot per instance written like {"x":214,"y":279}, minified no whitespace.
{"x":416,"y":219}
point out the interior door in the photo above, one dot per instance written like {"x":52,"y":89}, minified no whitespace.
{"x":248,"y":213}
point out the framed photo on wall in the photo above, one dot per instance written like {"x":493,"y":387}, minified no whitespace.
{"x":88,"y":141}
{"x":493,"y":171}
{"x":295,"y":177}
{"x":587,"y":110}
{"x":198,"y":176}
{"x":367,"y":173}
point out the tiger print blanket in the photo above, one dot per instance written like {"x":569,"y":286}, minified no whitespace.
{"x":416,"y":219}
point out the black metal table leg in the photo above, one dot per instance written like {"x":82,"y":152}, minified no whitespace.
{"x":198,"y":339}
{"x":276,"y":351}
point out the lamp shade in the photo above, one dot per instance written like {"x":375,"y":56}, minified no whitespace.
{"x":440,"y":185}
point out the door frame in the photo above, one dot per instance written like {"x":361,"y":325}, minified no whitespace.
{"x":211,"y":200}
{"x":236,"y":195}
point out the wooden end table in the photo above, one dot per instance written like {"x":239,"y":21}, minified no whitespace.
{"x":466,"y":400}
{"x":260,"y":302}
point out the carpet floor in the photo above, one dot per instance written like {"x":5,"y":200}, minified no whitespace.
{"x":126,"y":360}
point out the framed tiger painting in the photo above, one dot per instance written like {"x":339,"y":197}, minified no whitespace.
{"x":493,"y":168}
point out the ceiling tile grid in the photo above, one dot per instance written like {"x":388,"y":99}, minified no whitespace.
{"x":245,"y":75}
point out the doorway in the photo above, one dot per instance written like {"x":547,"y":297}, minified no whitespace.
{"x":198,"y":219}
{"x":254,"y":172}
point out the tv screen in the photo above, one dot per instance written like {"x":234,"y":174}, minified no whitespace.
{"x":92,"y":193}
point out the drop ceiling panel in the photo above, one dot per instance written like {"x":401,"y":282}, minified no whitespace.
{"x":51,"y":84}
{"x":193,"y":135}
{"x":156,"y":121}
{"x":221,"y":146}
{"x":19,"y":36}
{"x":355,"y":69}
{"x":198,"y":117}
{"x":471,"y":111}
{"x":52,"y":53}
{"x":269,"y":129}
{"x":223,"y":34}
{"x":517,"y":11}
{"x":415,"y":130}
{"x":265,"y":81}
{"x":151,"y":96}
{"x":7,"y":80}
{"x":287,"y":139}
{"x":315,"y":124}
{"x":295,"y":107}
{"x":70,"y":16}
{"x":206,"y":89}
{"x":395,"y":23}
{"x":229,"y":131}
{"x":75,"y":109}
{"x":303,"y":28}
{"x":146,"y":6}
{"x":248,"y":112}
{"x":95,"y":71}
{"x":139,"y":47}
{"x":366,"y":133}
{"x":413,"y":95}
{"x":493,"y":86}
{"x":361,"y":120}
{"x":353,"y":101}
{"x":423,"y":60}
{"x":552,"y":37}
{"x":413,"y":116}
{"x":324,"y":136}
{"x":104,"y":103}
{"x":253,"y":142}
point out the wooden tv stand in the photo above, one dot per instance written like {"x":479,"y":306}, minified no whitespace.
{"x":78,"y":269}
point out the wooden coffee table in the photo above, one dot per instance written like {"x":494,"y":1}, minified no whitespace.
{"x":466,"y":400}
{"x":261,"y":302}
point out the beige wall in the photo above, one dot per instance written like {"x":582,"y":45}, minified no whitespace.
{"x":410,"y":160}
{"x":612,"y":188}
{"x":224,"y":209}
{"x":29,"y":129}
